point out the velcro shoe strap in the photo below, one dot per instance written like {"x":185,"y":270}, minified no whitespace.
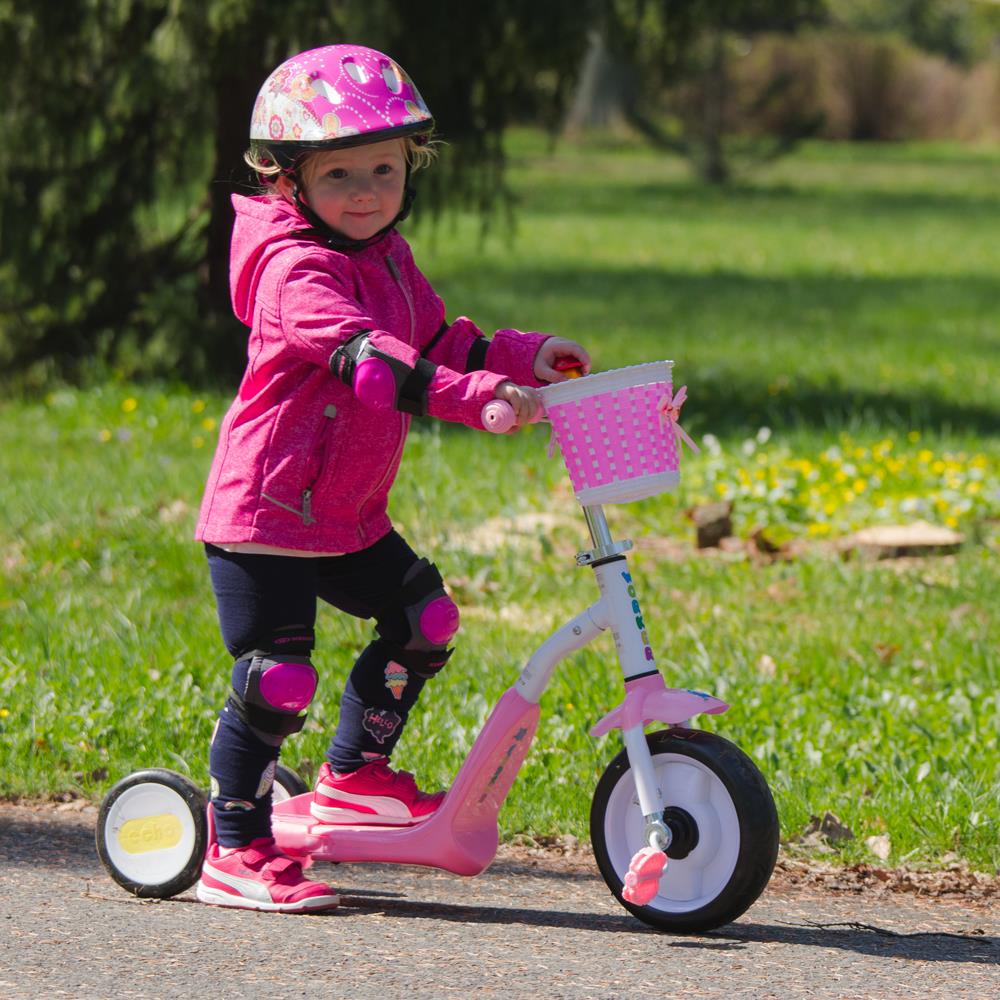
{"x":278,"y":867}
{"x":254,"y":856}
{"x":407,"y":780}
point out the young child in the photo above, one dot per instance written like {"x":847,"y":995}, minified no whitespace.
{"x":347,"y":341}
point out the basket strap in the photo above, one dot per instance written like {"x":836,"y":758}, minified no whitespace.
{"x":553,"y":440}
{"x":670,"y":409}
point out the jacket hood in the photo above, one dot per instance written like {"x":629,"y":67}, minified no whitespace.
{"x":262,"y":228}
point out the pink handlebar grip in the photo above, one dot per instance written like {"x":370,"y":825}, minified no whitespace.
{"x":498,"y":416}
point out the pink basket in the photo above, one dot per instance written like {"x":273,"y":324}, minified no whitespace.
{"x":615,"y":442}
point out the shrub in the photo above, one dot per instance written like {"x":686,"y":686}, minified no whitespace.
{"x":863,"y":87}
{"x":979,"y":117}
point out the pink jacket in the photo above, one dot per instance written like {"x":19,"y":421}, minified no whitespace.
{"x":301,"y":463}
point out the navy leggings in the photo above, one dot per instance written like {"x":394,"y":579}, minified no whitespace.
{"x":258,"y":595}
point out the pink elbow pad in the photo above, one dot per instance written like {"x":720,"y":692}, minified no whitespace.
{"x":374,"y":384}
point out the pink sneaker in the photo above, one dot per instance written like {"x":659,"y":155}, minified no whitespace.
{"x":260,"y":877}
{"x":373,"y":794}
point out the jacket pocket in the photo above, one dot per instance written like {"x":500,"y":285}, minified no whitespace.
{"x":314,"y":472}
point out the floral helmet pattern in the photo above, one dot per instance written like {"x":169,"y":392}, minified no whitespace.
{"x":335,"y":97}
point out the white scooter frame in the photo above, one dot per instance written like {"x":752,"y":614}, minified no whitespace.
{"x":461,"y":836}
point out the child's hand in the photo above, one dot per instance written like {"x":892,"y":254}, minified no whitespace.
{"x":556,"y":348}
{"x":525,"y":402}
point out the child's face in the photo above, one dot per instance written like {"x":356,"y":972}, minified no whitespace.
{"x":357,"y":191}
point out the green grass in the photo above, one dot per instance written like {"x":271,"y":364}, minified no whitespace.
{"x":845,"y":300}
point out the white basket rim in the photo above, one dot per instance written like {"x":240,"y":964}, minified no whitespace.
{"x":628,"y":490}
{"x":612,"y":380}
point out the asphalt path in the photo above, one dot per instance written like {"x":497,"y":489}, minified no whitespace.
{"x":528,"y":927}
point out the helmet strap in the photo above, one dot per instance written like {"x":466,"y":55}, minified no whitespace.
{"x":338,"y":241}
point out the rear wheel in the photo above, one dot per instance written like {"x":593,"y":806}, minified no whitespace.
{"x":724,"y":825}
{"x":152,"y":832}
{"x":287,"y":784}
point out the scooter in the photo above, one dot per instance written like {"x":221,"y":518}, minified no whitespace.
{"x":683,"y":826}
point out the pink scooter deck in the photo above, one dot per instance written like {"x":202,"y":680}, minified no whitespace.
{"x":461,"y":837}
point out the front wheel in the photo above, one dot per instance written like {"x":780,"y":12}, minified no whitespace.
{"x":724,"y":825}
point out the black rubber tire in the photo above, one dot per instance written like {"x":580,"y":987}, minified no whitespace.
{"x":186,"y":871}
{"x":288,"y":783}
{"x":756,"y":816}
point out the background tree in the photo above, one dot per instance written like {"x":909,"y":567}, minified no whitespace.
{"x":125,"y":122}
{"x":83,"y":129}
{"x":128,"y":145}
{"x":665,"y":65}
{"x":959,"y":30}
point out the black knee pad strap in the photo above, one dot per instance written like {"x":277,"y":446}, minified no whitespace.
{"x":424,"y":663}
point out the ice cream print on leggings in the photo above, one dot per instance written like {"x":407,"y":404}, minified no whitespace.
{"x":381,"y":723}
{"x":396,"y":677}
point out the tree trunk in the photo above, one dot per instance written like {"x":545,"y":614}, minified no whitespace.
{"x":236,"y":87}
{"x":601,"y":93}
{"x":609,"y":95}
{"x":714,"y":168}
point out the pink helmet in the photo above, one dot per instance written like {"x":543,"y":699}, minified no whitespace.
{"x":333,"y":97}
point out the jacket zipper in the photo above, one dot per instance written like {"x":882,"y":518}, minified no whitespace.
{"x":398,"y":278}
{"x":305,"y":513}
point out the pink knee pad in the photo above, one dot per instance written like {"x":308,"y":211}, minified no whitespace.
{"x":439,"y":621}
{"x":288,"y":687}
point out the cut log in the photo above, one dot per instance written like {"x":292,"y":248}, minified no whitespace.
{"x":713,"y":522}
{"x":891,"y":541}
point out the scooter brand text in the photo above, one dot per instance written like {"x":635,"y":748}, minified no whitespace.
{"x":639,"y":623}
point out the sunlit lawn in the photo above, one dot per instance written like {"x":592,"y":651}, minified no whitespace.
{"x":836,"y":321}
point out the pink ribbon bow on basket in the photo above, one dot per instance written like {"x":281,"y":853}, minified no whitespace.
{"x":670,"y":409}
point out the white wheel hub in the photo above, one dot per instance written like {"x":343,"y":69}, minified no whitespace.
{"x":150,"y":834}
{"x":694,"y":881}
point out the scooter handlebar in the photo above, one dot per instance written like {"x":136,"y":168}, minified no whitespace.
{"x":498,"y":416}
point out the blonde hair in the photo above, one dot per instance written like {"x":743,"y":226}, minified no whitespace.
{"x":258,"y":158}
